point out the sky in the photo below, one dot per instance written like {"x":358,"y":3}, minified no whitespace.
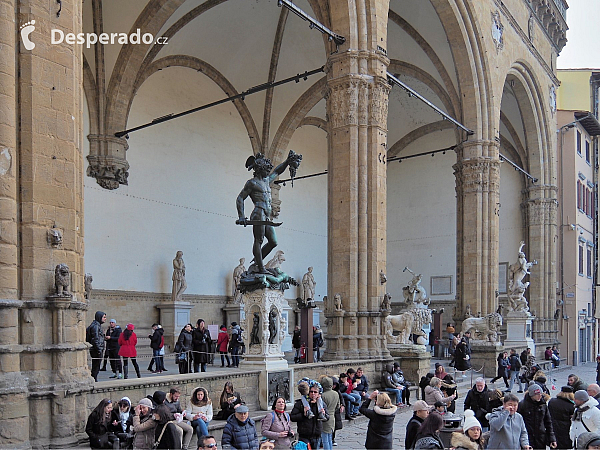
{"x":583,"y":36}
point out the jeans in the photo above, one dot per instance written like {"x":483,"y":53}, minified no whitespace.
{"x":349,"y":398}
{"x":201,"y":428}
{"x":398,"y":393}
{"x":327,"y":439}
{"x":223,"y":356}
{"x":514,"y":376}
{"x":160,"y":364}
{"x":235,"y":359}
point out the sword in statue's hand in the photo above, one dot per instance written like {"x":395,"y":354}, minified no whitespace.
{"x":247,"y":222}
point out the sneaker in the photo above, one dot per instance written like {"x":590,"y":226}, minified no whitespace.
{"x":165,"y":370}
{"x":508,"y":391}
{"x":348,"y":417}
{"x":119,"y":376}
{"x":519,"y":392}
{"x":114,"y":376}
{"x":321,"y":417}
{"x":310,"y":414}
{"x":334,"y":444}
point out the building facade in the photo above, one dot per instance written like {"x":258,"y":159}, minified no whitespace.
{"x":124,"y":204}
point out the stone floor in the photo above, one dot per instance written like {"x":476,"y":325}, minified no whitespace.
{"x":353,"y":435}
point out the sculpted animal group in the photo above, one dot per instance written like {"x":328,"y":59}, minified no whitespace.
{"x":486,"y":327}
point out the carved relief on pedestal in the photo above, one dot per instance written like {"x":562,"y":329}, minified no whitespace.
{"x":265,"y":321}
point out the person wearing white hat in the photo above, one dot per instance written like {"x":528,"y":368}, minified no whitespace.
{"x":143,"y":425}
{"x":470,"y":438}
{"x":586,"y":416}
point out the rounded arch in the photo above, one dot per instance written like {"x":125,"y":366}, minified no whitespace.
{"x":213,"y":74}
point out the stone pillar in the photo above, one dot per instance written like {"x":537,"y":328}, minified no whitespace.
{"x":541,"y":221}
{"x":357,"y":113}
{"x":173,"y":317}
{"x":49,"y":165}
{"x":477,"y":175}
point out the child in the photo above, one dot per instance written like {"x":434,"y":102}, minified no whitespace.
{"x":304,"y":386}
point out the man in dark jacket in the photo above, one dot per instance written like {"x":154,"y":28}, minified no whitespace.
{"x":421,"y":411}
{"x":112,"y":347}
{"x":93,"y":335}
{"x":515,"y":367}
{"x":478,"y":400}
{"x":525,"y":356}
{"x":296,"y":343}
{"x":398,"y":378}
{"x":235,"y":343}
{"x":537,"y":418}
{"x":561,"y":410}
{"x":309,"y":430}
{"x":240,"y":431}
{"x":576,"y":383}
{"x":156,"y":343}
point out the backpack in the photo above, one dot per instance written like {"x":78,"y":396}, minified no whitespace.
{"x":517,"y":365}
{"x":239,"y":338}
{"x":88,"y":334}
{"x":300,"y":445}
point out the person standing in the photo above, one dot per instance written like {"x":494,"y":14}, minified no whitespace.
{"x":276,"y":425}
{"x":428,"y":435}
{"x":317,"y":343}
{"x":310,"y":427}
{"x":222,"y":345}
{"x":507,"y":428}
{"x":93,"y":335}
{"x":515,"y":367}
{"x":462,"y":358}
{"x":470,"y":438}
{"x":586,"y":416}
{"x":297,"y":343}
{"x":380,"y":432}
{"x":201,"y":343}
{"x":128,"y":341}
{"x":561,"y":411}
{"x":235,"y":344}
{"x":537,"y":418}
{"x":157,"y":343}
{"x":478,"y":400}
{"x":502,"y":368}
{"x":420,"y":413}
{"x":576,"y":383}
{"x":112,"y":347}
{"x":183,"y":348}
{"x":332,"y":403}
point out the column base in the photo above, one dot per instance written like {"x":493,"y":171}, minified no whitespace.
{"x":484,"y":354}
{"x":415,"y":360}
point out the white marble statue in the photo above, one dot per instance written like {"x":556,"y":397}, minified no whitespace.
{"x":415,"y":293}
{"x":308,"y":285}
{"x":276,"y":261}
{"x":237,"y":275}
{"x":179,"y":283}
{"x":407,"y":323}
{"x":516,"y":287}
{"x":483,"y":328}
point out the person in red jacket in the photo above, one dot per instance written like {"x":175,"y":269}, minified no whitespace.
{"x":128,"y":341}
{"x":222,"y":343}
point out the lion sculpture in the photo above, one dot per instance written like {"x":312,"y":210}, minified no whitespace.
{"x":407,"y":323}
{"x":483,"y":328}
{"x":62,"y":279}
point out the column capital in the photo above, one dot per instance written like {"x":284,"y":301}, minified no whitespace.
{"x":108,"y":164}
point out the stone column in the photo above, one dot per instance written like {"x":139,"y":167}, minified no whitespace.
{"x":357,"y":114}
{"x":477,"y":175}
{"x":14,"y":412}
{"x":50,"y":166}
{"x":541,"y":221}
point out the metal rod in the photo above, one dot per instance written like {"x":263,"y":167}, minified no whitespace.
{"x":252,"y":90}
{"x":517,"y":168}
{"x":441,"y":150}
{"x":300,"y":178}
{"x":338,"y":39}
{"x":414,"y":93}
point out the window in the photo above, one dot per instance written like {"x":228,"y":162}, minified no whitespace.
{"x":578,"y":194}
{"x":581,"y":260}
{"x":589,"y":262}
{"x":587,"y":151}
{"x":579,"y":142}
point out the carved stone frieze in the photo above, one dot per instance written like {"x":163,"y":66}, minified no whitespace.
{"x":477,"y":175}
{"x":541,"y":211}
{"x":107,"y":162}
{"x":378,"y":103}
{"x":343,"y":103}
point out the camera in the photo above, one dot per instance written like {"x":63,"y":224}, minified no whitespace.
{"x":290,"y":434}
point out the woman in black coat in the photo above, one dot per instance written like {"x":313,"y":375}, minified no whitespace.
{"x":380,"y":432}
{"x":201,"y":343}
{"x":99,"y":424}
{"x":561,"y":410}
{"x":428,"y":435}
{"x":183,"y":348}
{"x":502,"y":368}
{"x":165,"y":432}
{"x":462,"y":360}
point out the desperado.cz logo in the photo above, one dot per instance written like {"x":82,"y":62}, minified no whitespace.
{"x":89,"y":39}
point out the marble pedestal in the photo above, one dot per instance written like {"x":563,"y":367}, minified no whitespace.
{"x":173,"y":317}
{"x":275,"y":376}
{"x":518,"y":330}
{"x":484,"y":356}
{"x":234,"y":312}
{"x":415,"y":360}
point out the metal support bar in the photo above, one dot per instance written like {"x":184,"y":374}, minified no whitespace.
{"x":261,"y":87}
{"x":339,"y":40}
{"x":412,"y":93}
{"x":517,"y":168}
{"x":433,"y":152}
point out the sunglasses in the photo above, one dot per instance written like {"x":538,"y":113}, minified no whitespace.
{"x":210,"y":445}
{"x":314,"y":392}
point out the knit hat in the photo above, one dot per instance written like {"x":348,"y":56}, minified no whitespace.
{"x":582,"y":396}
{"x":241,"y":409}
{"x":438,"y":404}
{"x":233,"y":324}
{"x":113,"y":321}
{"x":421,"y":405}
{"x":534,"y":389}
{"x":584,"y":440}
{"x":145,"y":402}
{"x":159,"y":397}
{"x":566,"y":389}
{"x":470,"y":421}
{"x":130,"y":326}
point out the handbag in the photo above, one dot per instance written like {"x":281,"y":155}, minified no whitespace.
{"x":182,"y":357}
{"x":161,"y":351}
{"x":157,"y":443}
